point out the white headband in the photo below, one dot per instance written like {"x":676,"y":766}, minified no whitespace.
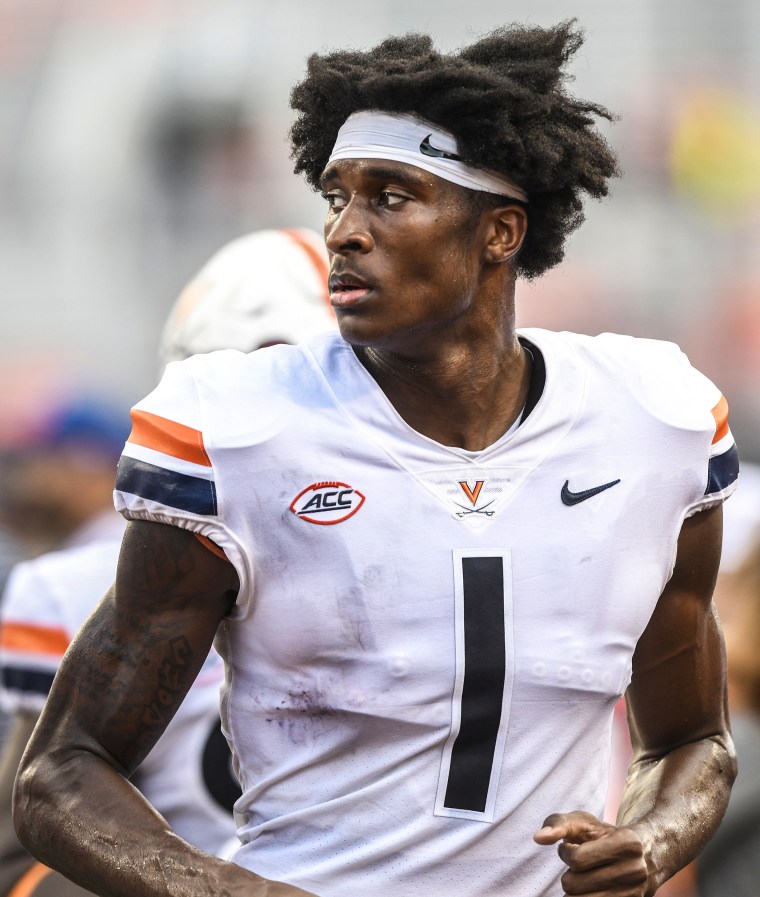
{"x":406,"y":138}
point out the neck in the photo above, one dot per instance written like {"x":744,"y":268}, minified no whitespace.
{"x":460,"y":396}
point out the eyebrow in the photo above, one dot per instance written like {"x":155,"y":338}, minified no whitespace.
{"x":405,"y":175}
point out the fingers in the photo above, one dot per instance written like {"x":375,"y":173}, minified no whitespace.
{"x":600,"y":858}
{"x":576,"y":827}
{"x":625,"y":876}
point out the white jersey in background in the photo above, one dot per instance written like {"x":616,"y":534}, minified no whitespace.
{"x":428,"y":643}
{"x":186,"y":776}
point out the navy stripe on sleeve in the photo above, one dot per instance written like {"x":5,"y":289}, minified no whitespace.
{"x":177,"y":490}
{"x":722,"y":471}
{"x":17,"y":679}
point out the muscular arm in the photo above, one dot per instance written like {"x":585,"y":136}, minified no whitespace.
{"x":118,"y":686}
{"x":683,"y":759}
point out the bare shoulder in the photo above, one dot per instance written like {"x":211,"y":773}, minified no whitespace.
{"x":156,"y":557}
{"x":698,"y":555}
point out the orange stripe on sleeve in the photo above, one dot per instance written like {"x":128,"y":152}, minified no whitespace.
{"x":167,"y":436}
{"x":212,"y":546}
{"x":36,"y":639}
{"x":720,"y":413}
{"x":28,"y":882}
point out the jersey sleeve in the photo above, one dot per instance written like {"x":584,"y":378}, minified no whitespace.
{"x":694,"y":405}
{"x":165,"y":473}
{"x":33,"y":639}
{"x":723,"y":464}
{"x":721,"y":471}
{"x":690,"y":407}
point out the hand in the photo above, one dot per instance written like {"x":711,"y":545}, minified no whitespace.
{"x":602,"y":860}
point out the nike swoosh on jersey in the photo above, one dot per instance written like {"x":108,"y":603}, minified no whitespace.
{"x":427,"y":150}
{"x":574,"y":498}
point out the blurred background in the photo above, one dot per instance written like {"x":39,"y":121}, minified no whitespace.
{"x":138,"y":136}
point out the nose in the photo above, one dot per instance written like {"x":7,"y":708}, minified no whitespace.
{"x":349,"y":231}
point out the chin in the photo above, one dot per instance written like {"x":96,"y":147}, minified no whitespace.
{"x":354,"y":330}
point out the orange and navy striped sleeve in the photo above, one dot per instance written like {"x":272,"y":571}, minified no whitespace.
{"x":723,"y":466}
{"x":30,"y":655}
{"x":33,"y":639}
{"x":165,"y":467}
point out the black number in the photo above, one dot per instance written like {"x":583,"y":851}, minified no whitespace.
{"x":483,"y":671}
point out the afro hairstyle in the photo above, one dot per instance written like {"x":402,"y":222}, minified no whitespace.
{"x":503,"y":98}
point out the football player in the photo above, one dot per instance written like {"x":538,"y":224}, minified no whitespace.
{"x":443,"y":548}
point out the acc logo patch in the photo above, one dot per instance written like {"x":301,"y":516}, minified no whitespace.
{"x":327,"y":503}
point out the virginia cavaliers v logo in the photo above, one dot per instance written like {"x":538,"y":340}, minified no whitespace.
{"x":472,"y":493}
{"x":327,"y":503}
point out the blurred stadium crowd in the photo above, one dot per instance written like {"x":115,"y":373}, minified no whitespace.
{"x":137,"y":138}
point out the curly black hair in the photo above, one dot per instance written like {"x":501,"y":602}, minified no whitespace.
{"x":503,"y":98}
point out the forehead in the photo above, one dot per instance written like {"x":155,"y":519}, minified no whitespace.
{"x":380,"y":170}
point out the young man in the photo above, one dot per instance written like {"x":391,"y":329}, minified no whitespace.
{"x":448,"y":548}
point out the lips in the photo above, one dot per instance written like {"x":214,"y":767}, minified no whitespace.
{"x":347,"y":289}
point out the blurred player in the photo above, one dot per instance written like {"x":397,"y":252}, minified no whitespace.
{"x":264,"y":288}
{"x":57,"y":462}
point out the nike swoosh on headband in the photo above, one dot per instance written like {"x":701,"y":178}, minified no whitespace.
{"x":428,"y":150}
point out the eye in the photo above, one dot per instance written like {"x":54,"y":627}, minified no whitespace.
{"x":389,"y":199}
{"x":335,"y":201}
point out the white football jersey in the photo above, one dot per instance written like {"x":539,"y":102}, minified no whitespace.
{"x":428,"y":642}
{"x":186,"y":776}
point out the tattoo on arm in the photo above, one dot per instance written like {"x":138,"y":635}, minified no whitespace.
{"x":139,"y":653}
{"x":171,"y":676}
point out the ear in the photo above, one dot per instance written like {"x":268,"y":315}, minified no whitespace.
{"x":505,"y":232}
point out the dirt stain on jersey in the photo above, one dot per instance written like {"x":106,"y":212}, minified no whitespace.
{"x":305,"y":716}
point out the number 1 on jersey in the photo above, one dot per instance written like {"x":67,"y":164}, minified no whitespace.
{"x":473,"y":752}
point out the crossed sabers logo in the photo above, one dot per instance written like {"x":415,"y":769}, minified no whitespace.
{"x":472,"y":494}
